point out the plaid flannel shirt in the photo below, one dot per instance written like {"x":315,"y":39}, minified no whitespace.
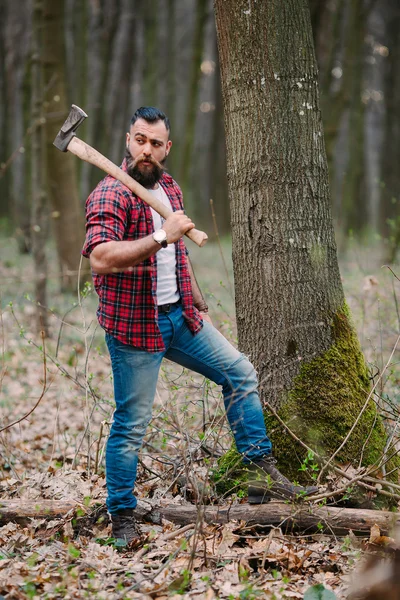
{"x":128,"y":301}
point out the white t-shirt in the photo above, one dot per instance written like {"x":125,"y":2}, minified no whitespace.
{"x":167,"y":285}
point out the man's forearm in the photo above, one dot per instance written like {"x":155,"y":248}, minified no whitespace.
{"x":198,"y":298}
{"x":116,"y":256}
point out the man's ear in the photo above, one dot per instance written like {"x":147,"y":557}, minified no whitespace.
{"x":168,"y":147}
{"x":128,"y":138}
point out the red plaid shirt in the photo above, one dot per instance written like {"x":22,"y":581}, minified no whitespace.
{"x":128,"y":300}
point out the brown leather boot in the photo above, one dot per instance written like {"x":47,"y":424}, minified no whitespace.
{"x":124,"y":527}
{"x":266,"y":482}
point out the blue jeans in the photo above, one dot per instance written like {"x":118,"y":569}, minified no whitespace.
{"x":135,"y":374}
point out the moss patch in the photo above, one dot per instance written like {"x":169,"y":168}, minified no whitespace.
{"x":322,"y":406}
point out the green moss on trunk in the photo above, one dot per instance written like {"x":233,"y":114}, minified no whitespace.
{"x":321,"y":407}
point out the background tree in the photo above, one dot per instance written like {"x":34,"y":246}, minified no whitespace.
{"x":62,"y":181}
{"x":39,"y":218}
{"x":120,"y":56}
{"x":193,"y":91}
{"x":391,"y":158}
{"x":291,"y":314}
{"x":16,"y":37}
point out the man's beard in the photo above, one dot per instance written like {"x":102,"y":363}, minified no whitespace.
{"x":148,"y":175}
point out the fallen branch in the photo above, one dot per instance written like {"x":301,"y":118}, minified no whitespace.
{"x":14,"y":510}
{"x":304,"y":517}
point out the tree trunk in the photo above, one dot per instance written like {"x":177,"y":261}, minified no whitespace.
{"x":193,"y":92}
{"x":39,"y":218}
{"x":291,"y":314}
{"x":149,"y":73}
{"x":171,"y":59}
{"x":169,"y":67}
{"x":353,"y":194}
{"x":17,"y":36}
{"x":67,"y":211}
{"x":93,"y":106}
{"x":100,"y":51}
{"x":217,"y":161}
{"x":390,"y":159}
{"x":4,"y":177}
{"x":118,"y":87}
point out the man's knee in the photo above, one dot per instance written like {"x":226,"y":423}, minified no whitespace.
{"x":243,"y":373}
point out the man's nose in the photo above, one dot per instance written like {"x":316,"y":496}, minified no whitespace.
{"x":147,"y":150}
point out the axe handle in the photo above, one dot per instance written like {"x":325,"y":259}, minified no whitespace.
{"x":90,"y":155}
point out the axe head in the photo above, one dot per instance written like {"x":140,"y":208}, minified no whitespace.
{"x":67,"y":131}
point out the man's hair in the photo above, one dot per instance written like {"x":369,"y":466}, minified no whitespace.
{"x":151,"y":115}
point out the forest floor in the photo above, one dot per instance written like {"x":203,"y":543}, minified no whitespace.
{"x":58,"y":453}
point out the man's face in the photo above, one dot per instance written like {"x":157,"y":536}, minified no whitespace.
{"x":147,"y":147}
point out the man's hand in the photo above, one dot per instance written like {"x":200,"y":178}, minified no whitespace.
{"x":177,"y":225}
{"x":206,"y":317}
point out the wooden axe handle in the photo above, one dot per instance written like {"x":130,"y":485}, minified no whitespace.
{"x":90,"y":155}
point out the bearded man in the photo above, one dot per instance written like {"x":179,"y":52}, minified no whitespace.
{"x":151,"y":307}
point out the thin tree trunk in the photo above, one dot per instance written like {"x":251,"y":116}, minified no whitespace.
{"x":353,"y":208}
{"x":17,"y":41}
{"x":39,"y":218}
{"x":67,"y":211}
{"x":192,"y":99}
{"x":150,"y":62}
{"x":93,"y":106}
{"x":119,"y":83}
{"x":170,"y":71}
{"x":217,"y":161}
{"x":171,"y":54}
{"x":391,"y":159}
{"x":103,"y":127}
{"x":4,"y":178}
{"x":75,"y":22}
{"x":291,"y":314}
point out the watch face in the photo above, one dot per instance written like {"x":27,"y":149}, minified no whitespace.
{"x":160,"y":236}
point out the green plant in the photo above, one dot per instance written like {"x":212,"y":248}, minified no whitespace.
{"x":181,"y":584}
{"x":30,"y":589}
{"x":309,"y":465}
{"x":73,"y":551}
{"x":111,"y":541}
{"x":319,"y":592}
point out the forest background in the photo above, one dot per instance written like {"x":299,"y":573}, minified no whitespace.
{"x":110,"y":57}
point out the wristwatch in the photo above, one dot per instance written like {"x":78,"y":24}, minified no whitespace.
{"x":160,"y":236}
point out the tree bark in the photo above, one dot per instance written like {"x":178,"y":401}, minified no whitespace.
{"x":4,"y":177}
{"x":100,"y":51}
{"x":217,"y":161}
{"x":40,"y":215}
{"x":93,"y":106}
{"x":390,"y":160}
{"x":353,"y":193}
{"x":17,"y":39}
{"x":274,"y":514}
{"x":118,"y":87}
{"x":192,"y":99}
{"x":67,"y":211}
{"x":291,"y":314}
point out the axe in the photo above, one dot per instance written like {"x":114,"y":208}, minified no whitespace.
{"x":67,"y":140}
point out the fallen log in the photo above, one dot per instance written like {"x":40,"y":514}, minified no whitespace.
{"x":300,"y":517}
{"x":14,"y":510}
{"x":290,"y":517}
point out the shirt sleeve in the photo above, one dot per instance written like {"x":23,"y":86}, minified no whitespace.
{"x":107,"y":215}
